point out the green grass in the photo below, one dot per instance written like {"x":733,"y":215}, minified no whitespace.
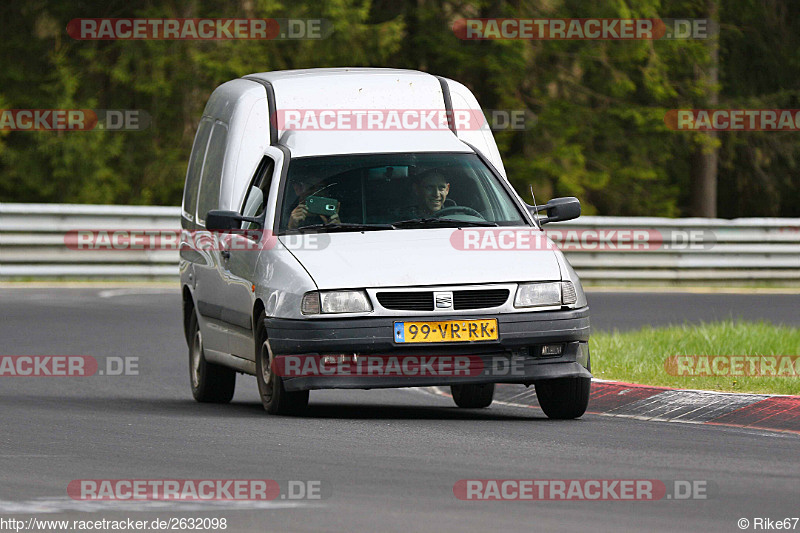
{"x":639,"y":356}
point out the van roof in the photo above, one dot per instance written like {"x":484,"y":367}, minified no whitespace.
{"x":275,"y":75}
{"x":348,"y":89}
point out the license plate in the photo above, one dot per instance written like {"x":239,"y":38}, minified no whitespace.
{"x":446,"y":331}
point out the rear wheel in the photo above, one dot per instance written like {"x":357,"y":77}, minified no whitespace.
{"x":473,"y":396}
{"x":275,"y":399}
{"x":564,"y":398}
{"x":210,"y":383}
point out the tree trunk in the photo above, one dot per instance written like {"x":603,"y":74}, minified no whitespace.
{"x":704,"y":159}
{"x":704,"y":181}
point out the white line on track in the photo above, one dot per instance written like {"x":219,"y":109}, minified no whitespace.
{"x":60,"y":505}
{"x":112,"y":293}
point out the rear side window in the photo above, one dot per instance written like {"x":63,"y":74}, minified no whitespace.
{"x":255,"y":200}
{"x":212,"y":172}
{"x":195,"y":167}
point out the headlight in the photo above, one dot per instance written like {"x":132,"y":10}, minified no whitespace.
{"x":544,"y":294}
{"x":316,"y":302}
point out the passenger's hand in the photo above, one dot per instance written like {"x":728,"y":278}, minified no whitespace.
{"x":298,"y":215}
{"x":333,"y":219}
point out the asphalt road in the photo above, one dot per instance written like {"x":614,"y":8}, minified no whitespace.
{"x":631,"y":310}
{"x":387,"y":460}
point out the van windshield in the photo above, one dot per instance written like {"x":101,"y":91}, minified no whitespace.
{"x":394,"y":191}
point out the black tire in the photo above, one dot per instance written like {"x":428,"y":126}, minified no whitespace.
{"x":473,"y":396}
{"x":275,"y":399}
{"x":210,"y":383}
{"x":564,"y":398}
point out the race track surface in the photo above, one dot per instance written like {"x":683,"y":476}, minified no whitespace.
{"x":387,"y":459}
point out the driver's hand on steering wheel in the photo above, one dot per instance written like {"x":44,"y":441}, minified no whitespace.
{"x":460,"y":209}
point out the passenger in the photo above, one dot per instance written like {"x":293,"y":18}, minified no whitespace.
{"x":300,"y":215}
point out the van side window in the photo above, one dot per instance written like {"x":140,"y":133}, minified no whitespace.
{"x":255,"y":199}
{"x":195,"y":167}
{"x":208,"y":198}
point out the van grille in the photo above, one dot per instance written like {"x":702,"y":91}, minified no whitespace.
{"x":480,"y":299}
{"x":407,"y":301}
{"x":423,"y":300}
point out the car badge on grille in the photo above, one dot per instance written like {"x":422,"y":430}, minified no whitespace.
{"x":444,"y":300}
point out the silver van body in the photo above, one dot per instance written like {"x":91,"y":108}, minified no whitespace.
{"x":244,"y":296}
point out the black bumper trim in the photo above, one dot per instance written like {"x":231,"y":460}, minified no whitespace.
{"x":376,"y":334}
{"x":539,"y":372}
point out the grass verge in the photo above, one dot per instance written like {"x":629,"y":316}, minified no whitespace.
{"x":640,"y":356}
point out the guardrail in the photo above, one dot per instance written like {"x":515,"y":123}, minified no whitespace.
{"x":602,"y":249}
{"x":32,"y":241}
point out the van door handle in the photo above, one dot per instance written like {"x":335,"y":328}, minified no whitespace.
{"x":226,"y":254}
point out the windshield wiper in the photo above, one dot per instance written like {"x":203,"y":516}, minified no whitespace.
{"x":444,"y":222}
{"x":345,"y":226}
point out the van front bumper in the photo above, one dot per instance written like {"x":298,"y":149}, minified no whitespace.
{"x":515,"y":357}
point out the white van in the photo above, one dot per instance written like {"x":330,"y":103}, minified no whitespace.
{"x":355,"y":228}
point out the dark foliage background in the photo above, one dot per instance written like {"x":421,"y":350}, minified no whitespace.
{"x":599,"y":134}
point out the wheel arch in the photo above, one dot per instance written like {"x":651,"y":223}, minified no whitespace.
{"x":188,"y":310}
{"x":258,"y":308}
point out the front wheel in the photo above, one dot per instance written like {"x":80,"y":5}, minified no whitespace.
{"x":275,"y":399}
{"x":564,"y":398}
{"x":210,"y":383}
{"x":473,"y":396}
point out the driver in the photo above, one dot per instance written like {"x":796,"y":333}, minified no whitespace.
{"x":430,"y":189}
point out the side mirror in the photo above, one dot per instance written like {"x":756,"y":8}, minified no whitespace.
{"x":218,"y":220}
{"x":558,"y":209}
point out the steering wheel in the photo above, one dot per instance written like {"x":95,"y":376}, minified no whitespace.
{"x":458,"y":209}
